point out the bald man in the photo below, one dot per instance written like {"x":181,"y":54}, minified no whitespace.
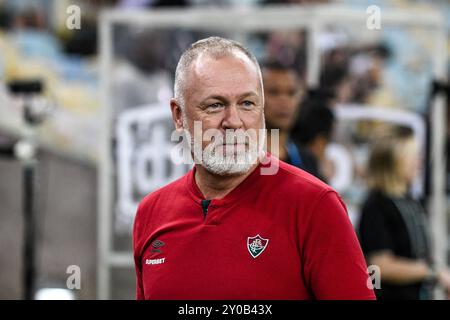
{"x":230,"y":228}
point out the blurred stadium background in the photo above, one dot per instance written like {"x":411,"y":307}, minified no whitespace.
{"x":104,"y":139}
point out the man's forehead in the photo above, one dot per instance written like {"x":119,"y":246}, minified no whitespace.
{"x":207,"y":65}
{"x":230,"y":71}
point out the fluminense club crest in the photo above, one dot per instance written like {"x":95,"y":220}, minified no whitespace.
{"x":256,"y":245}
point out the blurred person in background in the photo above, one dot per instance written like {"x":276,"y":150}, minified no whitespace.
{"x":335,"y":76}
{"x":31,"y":33}
{"x":393,"y":228}
{"x":283,"y":89}
{"x":141,"y":76}
{"x":313,"y":132}
{"x":288,"y":47}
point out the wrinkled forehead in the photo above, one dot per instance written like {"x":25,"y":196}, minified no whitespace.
{"x":210,"y":69}
{"x":203,"y":58}
{"x":227,"y":74}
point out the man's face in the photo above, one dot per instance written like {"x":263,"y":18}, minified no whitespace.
{"x":283,"y":92}
{"x":225,"y":95}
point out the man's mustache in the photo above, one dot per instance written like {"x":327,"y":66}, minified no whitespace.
{"x":231,"y":140}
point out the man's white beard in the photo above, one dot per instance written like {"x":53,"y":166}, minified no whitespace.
{"x":231,"y":161}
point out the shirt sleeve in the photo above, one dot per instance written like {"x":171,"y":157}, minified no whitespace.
{"x":139,"y":287}
{"x":334,"y":266}
{"x":374,"y":228}
{"x":137,"y":260}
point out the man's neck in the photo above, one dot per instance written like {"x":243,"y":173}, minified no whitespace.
{"x":214,"y":186}
{"x":283,"y":139}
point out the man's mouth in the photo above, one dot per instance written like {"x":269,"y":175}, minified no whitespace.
{"x":233,"y":146}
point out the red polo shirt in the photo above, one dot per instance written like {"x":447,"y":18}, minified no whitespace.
{"x":282,"y":236}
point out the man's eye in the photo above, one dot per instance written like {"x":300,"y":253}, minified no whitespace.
{"x":248,"y":103}
{"x":215,"y":105}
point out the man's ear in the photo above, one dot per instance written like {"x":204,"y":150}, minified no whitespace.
{"x":177,"y":114}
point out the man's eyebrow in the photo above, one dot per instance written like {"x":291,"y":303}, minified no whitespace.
{"x":222,"y":98}
{"x":249,"y":93}
{"x":216,"y":97}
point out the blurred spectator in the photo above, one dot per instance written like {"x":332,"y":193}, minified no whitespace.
{"x":393,"y":229}
{"x":141,"y":77}
{"x":373,"y":87}
{"x":283,"y":89}
{"x":355,"y":73}
{"x":286,"y":47}
{"x":31,"y":35}
{"x":313,"y":132}
{"x":335,"y":76}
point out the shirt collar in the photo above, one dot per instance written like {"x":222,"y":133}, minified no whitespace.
{"x":247,"y":185}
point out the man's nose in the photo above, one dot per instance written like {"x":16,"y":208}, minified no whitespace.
{"x":232,"y":118}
